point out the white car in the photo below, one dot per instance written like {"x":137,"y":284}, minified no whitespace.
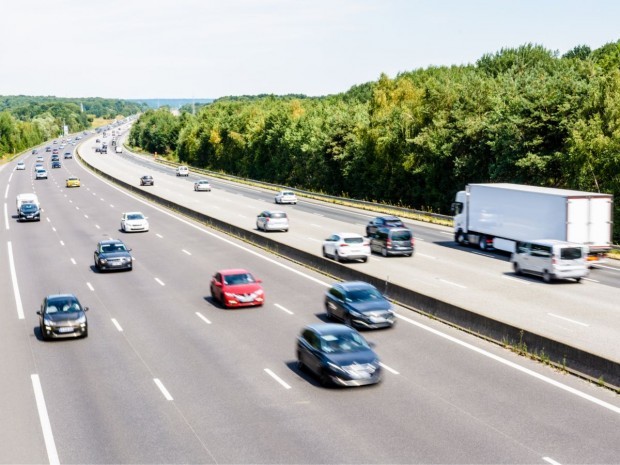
{"x":134,"y":221}
{"x":41,"y":173}
{"x":271,"y":220}
{"x":286,"y":197}
{"x":346,"y":246}
{"x":202,"y":185}
{"x":20,"y":165}
{"x":182,"y":171}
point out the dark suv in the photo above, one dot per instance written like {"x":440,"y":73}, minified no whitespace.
{"x":392,"y":241}
{"x":112,"y":254}
{"x":29,"y":212}
{"x":383,"y":221}
{"x":359,"y":304}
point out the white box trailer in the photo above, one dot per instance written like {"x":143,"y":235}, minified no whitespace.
{"x":27,"y":198}
{"x":500,"y":215}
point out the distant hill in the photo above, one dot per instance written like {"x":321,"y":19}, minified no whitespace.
{"x":171,"y":102}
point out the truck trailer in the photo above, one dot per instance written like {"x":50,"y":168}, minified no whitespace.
{"x":498,"y":216}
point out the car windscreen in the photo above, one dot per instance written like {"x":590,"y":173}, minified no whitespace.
{"x":342,"y":343}
{"x":236,"y":279}
{"x":278,"y":215}
{"x":135,"y":216}
{"x":363,"y":295}
{"x":571,"y":253}
{"x":63,"y":304}
{"x":29,"y":207}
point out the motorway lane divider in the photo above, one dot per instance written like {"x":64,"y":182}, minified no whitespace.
{"x":557,"y":354}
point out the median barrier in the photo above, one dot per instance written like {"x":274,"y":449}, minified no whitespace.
{"x":557,"y":354}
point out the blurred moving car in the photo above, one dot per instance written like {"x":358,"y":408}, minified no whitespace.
{"x":40,"y":158}
{"x":182,"y":171}
{"x":73,"y":181}
{"x":337,"y":355}
{"x":236,"y":288}
{"x":383,"y":221}
{"x":56,"y":164}
{"x":62,"y":316}
{"x":359,"y":304}
{"x":68,"y":155}
{"x":202,"y":185}
{"x":286,"y":197}
{"x":41,"y":173}
{"x":134,"y":221}
{"x":20,"y":165}
{"x":272,"y":220}
{"x":112,"y":254}
{"x":147,"y":181}
{"x":346,"y":246}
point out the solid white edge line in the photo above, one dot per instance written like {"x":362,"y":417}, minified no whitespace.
{"x":284,"y":309}
{"x":203,"y":318}
{"x":118,"y":326}
{"x":46,"y":427}
{"x":163,"y":390}
{"x":6,"y":217}
{"x":569,"y":320}
{"x":551,"y":461}
{"x":452,"y":284}
{"x":6,"y":192}
{"x":160,"y":281}
{"x":520,"y":368}
{"x":391,"y":370}
{"x":18,"y":298}
{"x":277,"y":378}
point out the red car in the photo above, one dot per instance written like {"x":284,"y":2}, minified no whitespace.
{"x":237,"y":288}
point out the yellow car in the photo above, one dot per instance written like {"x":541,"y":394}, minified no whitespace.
{"x":73,"y":182}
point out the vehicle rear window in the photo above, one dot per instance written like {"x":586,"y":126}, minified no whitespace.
{"x":278,"y":215}
{"x":354,"y":240}
{"x":401,"y":236}
{"x":570,"y":253}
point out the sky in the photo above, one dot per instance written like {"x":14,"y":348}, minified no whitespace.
{"x":215,"y":48}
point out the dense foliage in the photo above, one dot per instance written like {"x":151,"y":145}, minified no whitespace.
{"x":28,"y":121}
{"x":523,"y":115}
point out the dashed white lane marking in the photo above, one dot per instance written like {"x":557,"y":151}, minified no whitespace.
{"x":522,"y":281}
{"x":313,"y":239}
{"x":53,"y":229}
{"x":185,"y":252}
{"x":163,"y":390}
{"x":102,"y":199}
{"x":160,"y":281}
{"x":203,"y":318}
{"x":48,"y":220}
{"x":608,"y":267}
{"x":97,"y":226}
{"x":551,"y":461}
{"x":277,"y":378}
{"x":284,"y":309}
{"x":90,"y":286}
{"x":18,"y":298}
{"x":61,"y":242}
{"x":452,"y":284}
{"x":73,"y":261}
{"x":241,"y":216}
{"x":418,"y":254}
{"x":159,"y":235}
{"x":391,"y":370}
{"x":446,"y":233}
{"x":591,"y":280}
{"x":70,"y":201}
{"x":111,"y":206}
{"x":48,"y":437}
{"x":316,"y":225}
{"x":118,"y":326}
{"x":77,"y":208}
{"x":569,"y":320}
{"x":85,"y":216}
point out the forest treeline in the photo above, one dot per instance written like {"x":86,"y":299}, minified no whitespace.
{"x":523,"y":115}
{"x":27,"y":121}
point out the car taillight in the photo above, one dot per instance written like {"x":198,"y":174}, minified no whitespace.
{"x":344,"y":245}
{"x":412,"y":242}
{"x":388,"y":243}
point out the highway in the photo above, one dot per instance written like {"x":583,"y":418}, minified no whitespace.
{"x":168,"y":376}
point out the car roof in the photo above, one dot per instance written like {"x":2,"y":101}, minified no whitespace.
{"x":348,"y":234}
{"x":353,"y":285}
{"x":133,"y":213}
{"x":389,"y":218}
{"x":329,"y":328}
{"x":60,"y":296}
{"x":110,"y":241}
{"x":233,"y":271}
{"x":202,"y":180}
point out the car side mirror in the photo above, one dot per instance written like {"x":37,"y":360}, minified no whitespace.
{"x":85,"y":309}
{"x":372,"y":344}
{"x":128,"y":250}
{"x":259,"y":281}
{"x":39,"y":312}
{"x":217,"y":283}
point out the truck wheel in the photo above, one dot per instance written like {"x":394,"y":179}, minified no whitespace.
{"x":546,"y":276}
{"x":459,"y":238}
{"x":482,"y":242}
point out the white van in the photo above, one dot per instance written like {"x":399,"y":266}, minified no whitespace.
{"x":27,"y":198}
{"x":551,"y":259}
{"x":182,"y":171}
{"x":118,"y":149}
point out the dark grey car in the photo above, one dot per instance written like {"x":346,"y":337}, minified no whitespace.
{"x":359,"y":304}
{"x":29,"y":212}
{"x":112,"y":254}
{"x":392,"y":241}
{"x":338,"y":355}
{"x":62,"y":316}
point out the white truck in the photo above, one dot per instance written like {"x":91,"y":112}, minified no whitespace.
{"x":27,"y":198}
{"x":501,"y":215}
{"x":118,"y":148}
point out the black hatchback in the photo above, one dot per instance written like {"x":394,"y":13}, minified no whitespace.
{"x":359,"y":304}
{"x":112,"y":254}
{"x":337,"y":355}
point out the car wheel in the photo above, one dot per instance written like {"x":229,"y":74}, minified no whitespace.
{"x":85,"y":334}
{"x":578,"y":280}
{"x":328,"y":313}
{"x":300,"y":365}
{"x":43,"y":335}
{"x":384,"y":251}
{"x":324,"y":253}
{"x":338,"y":258}
{"x":517,"y":268}
{"x":364,"y":260}
{"x":367,"y":232}
{"x":546,"y":276}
